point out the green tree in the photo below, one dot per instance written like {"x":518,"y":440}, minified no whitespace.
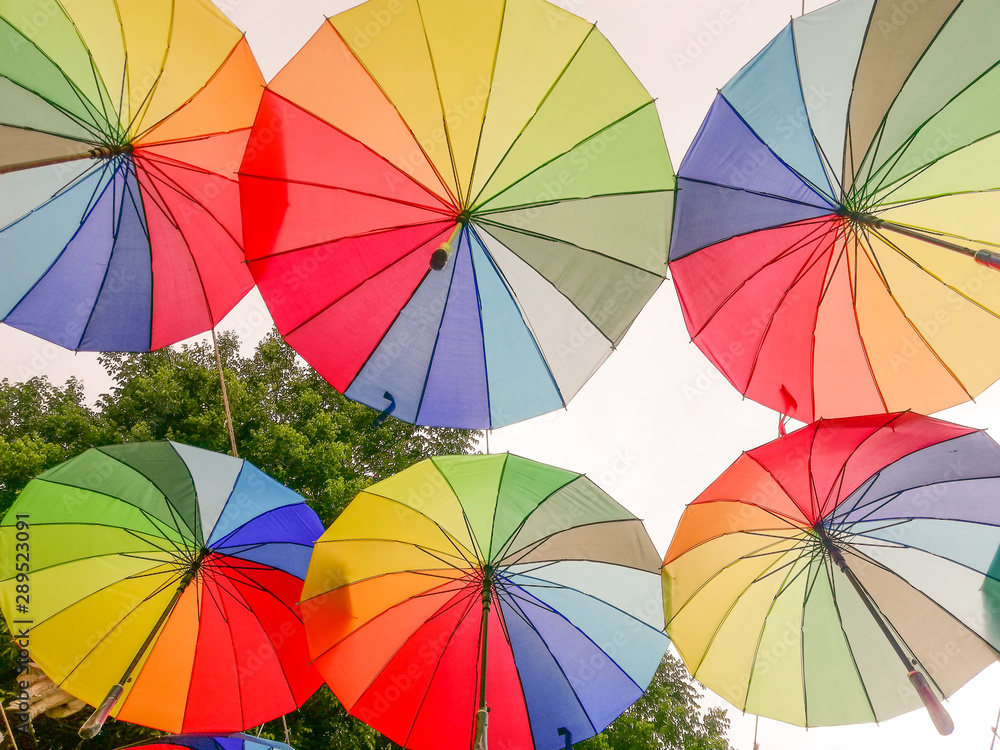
{"x":289,"y":422}
{"x":667,"y":717}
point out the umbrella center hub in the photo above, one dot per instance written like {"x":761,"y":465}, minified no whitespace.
{"x":859,"y":217}
{"x":465,"y":217}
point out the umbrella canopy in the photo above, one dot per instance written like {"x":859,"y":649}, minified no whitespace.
{"x":460,"y":208}
{"x":797,"y":581}
{"x":209,"y":742}
{"x":468,"y":584}
{"x":833,"y":208}
{"x":122,"y":124}
{"x":171,"y":571}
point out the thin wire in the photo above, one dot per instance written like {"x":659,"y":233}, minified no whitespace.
{"x":225,"y":395}
{"x":10,"y":731}
{"x":756,"y":720}
{"x":994,"y":728}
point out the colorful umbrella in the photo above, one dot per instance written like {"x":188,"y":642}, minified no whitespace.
{"x":209,"y":742}
{"x":461,"y":206}
{"x":800,"y":578}
{"x":169,"y":575}
{"x":835,"y":240}
{"x":122,"y":124}
{"x":474,"y":584}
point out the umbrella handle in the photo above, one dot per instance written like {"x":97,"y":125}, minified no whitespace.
{"x":942,"y":721}
{"x":93,"y":726}
{"x":564,"y":732}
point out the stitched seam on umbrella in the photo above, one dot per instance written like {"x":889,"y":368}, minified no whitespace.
{"x":448,"y":207}
{"x":416,"y":142}
{"x":485,"y":202}
{"x":475,"y":202}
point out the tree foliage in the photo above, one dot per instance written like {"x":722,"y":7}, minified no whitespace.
{"x":289,"y":422}
{"x":667,"y":717}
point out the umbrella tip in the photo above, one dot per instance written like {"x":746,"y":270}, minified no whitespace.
{"x":439,"y":259}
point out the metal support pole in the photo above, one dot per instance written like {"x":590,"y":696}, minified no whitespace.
{"x":942,"y":721}
{"x":102,"y":152}
{"x":92,"y":727}
{"x":987,"y":258}
{"x":482,"y":714}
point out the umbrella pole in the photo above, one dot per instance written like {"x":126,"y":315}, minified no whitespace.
{"x":93,"y":726}
{"x":986,"y":258}
{"x":225,"y":395}
{"x":104,"y":152}
{"x":482,"y":713}
{"x":942,"y":721}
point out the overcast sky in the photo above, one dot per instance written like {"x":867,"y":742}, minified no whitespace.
{"x":657,"y":423}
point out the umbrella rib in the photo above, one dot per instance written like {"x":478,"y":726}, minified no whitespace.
{"x":149,"y":597}
{"x":813,"y":260}
{"x":168,"y":212}
{"x":758,"y":553}
{"x":544,"y":584}
{"x":437,"y":339}
{"x":453,"y":595}
{"x":364,"y":281}
{"x":857,"y":243}
{"x":791,"y":577}
{"x":359,"y":235}
{"x":897,"y":156}
{"x":166,"y":501}
{"x":459,"y":548}
{"x":522,"y":314}
{"x":444,"y":117}
{"x":143,"y":106}
{"x":535,"y":544}
{"x":567,"y":243}
{"x":101,"y":137}
{"x":517,"y":603}
{"x":934,"y":276}
{"x":909,"y":322}
{"x":872,"y":149}
{"x":446,"y":212}
{"x":468,"y":608}
{"x":95,"y":197}
{"x":900,"y":641}
{"x":467,"y":198}
{"x":483,"y":202}
{"x":484,"y":216}
{"x":527,"y":323}
{"x":416,"y":141}
{"x":821,"y":227}
{"x":97,"y":77}
{"x":843,"y":257}
{"x":474,"y":202}
{"x":503,"y":551}
{"x":229,"y":56}
{"x":157,"y":522}
{"x":830,"y":572}
{"x":237,"y":597}
{"x":120,"y":204}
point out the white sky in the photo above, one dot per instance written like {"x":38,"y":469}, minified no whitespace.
{"x":657,"y":423}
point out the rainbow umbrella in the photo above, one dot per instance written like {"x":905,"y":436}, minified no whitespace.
{"x":122,"y":124}
{"x":844,"y":573}
{"x":468,"y":586}
{"x":835,"y":241}
{"x":162,"y":580}
{"x":457,"y":209}
{"x":209,"y":742}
